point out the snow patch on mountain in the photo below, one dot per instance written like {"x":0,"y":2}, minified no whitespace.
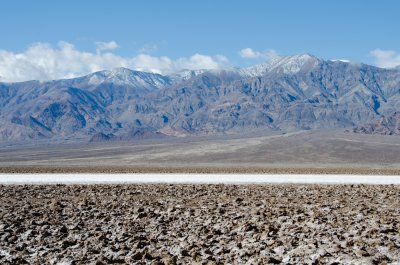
{"x":292,"y":64}
{"x":286,"y":65}
{"x":185,"y":75}
{"x":340,"y":60}
{"x":123,"y":76}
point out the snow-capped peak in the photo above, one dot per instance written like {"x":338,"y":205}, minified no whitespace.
{"x":282,"y":64}
{"x":185,"y":75}
{"x":279,"y":65}
{"x":292,"y":64}
{"x":257,"y":70}
{"x":120,"y":71}
{"x":340,"y":60}
{"x":125,"y":76}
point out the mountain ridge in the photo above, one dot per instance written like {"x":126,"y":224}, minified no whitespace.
{"x":287,"y":93}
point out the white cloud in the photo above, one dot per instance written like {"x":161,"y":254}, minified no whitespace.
{"x":386,"y":59}
{"x":249,"y":53}
{"x":103,"y":46}
{"x":145,"y":62}
{"x":199,"y":61}
{"x":42,"y":61}
{"x":165,"y":65}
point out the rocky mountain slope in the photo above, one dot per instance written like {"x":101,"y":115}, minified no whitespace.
{"x":387,"y":125}
{"x":287,"y":93}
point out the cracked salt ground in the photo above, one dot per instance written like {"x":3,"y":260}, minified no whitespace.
{"x":199,"y":224}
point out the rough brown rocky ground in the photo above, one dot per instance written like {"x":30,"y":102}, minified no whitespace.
{"x":199,"y":224}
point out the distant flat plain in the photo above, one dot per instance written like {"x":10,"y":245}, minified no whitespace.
{"x":303,"y":152}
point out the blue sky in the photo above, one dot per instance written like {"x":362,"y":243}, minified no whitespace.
{"x":341,"y":29}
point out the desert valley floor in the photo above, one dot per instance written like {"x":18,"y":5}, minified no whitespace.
{"x":334,"y":151}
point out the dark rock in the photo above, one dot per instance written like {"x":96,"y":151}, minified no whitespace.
{"x":64,"y":229}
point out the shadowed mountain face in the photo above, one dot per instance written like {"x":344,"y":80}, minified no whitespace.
{"x":288,"y":93}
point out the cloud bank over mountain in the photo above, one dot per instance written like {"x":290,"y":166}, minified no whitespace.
{"x":42,"y":61}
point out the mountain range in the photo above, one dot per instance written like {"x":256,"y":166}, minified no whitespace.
{"x":299,"y":92}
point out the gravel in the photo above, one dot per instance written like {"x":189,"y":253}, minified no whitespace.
{"x":199,"y":224}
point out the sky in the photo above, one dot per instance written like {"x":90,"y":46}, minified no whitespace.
{"x":47,"y":39}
